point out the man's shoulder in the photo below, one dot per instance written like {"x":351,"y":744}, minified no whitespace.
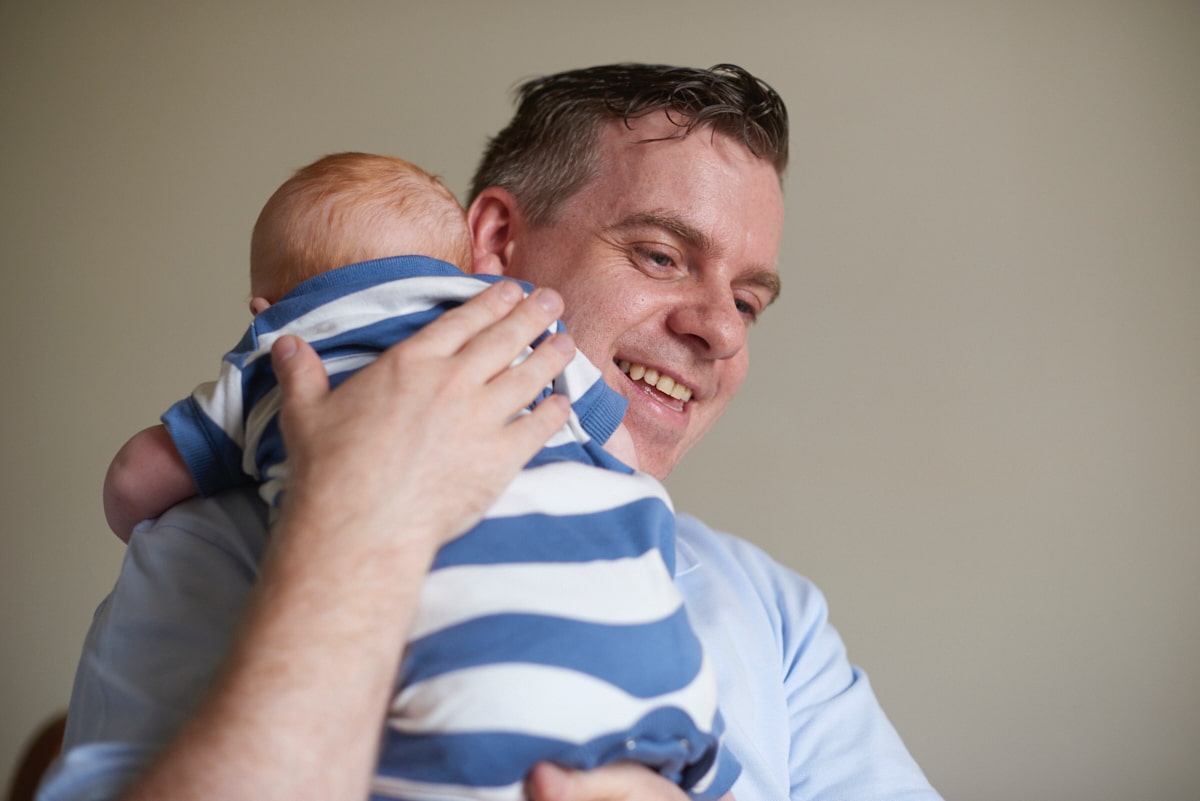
{"x":727,"y":565}
{"x":233,"y":522}
{"x":712,"y":545}
{"x":182,"y":589}
{"x":707,"y":540}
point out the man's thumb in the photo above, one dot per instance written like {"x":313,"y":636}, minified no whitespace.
{"x":299,"y":370}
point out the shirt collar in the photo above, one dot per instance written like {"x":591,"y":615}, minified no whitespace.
{"x":686,"y":558}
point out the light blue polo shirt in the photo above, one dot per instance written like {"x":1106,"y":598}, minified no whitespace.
{"x":801,"y":719}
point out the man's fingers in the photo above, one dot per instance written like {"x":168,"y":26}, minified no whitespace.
{"x":619,"y":781}
{"x":302,"y":377}
{"x":486,"y":333}
{"x":516,"y":387}
{"x":529,"y":432}
{"x":493,"y":350}
{"x":447,"y":334}
{"x":476,"y":343}
{"x":549,"y":782}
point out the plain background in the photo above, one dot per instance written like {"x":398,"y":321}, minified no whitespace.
{"x":973,"y":418}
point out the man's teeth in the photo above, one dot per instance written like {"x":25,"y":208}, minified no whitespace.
{"x":665,"y":384}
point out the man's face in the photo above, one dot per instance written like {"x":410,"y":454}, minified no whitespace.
{"x":663,"y":261}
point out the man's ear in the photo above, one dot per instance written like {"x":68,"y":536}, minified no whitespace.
{"x":259,"y":305}
{"x":494,"y":222}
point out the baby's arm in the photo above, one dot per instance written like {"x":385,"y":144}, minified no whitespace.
{"x":146,"y":478}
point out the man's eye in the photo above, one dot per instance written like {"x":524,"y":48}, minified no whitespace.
{"x":656,"y":257}
{"x":746,"y":308}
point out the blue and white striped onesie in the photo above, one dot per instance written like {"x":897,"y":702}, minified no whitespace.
{"x":550,"y":631}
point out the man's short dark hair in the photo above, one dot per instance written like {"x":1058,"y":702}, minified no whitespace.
{"x":547,"y":152}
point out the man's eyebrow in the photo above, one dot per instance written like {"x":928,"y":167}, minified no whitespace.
{"x":763,"y":277}
{"x":767,"y":280}
{"x":693,"y":236}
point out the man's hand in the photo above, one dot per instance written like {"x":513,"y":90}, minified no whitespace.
{"x":407,"y":453}
{"x":419,"y":443}
{"x":620,"y":781}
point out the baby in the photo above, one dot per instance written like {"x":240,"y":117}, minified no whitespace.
{"x":550,"y":631}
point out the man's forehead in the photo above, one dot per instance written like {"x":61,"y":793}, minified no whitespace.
{"x":631,"y":151}
{"x":655,"y":139}
{"x":649,"y":160}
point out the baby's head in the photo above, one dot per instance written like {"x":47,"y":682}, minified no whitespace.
{"x":352,"y":207}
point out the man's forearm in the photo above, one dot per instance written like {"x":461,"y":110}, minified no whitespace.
{"x":403,"y":457}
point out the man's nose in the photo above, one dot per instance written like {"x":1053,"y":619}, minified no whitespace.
{"x":709,"y":316}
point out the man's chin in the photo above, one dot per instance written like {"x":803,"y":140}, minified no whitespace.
{"x":656,"y":457}
{"x":660,"y":432}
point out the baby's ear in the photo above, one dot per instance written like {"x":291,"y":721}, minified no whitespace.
{"x":259,"y":305}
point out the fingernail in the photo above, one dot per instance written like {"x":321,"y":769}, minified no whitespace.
{"x":284,"y":349}
{"x":547,"y":299}
{"x":563,"y":342}
{"x":554,"y":777}
{"x":510,"y":291}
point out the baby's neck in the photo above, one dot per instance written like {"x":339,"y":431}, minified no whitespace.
{"x":620,"y":445}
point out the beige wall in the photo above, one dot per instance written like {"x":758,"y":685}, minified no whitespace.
{"x":973,"y":417}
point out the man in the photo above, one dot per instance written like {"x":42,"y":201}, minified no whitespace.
{"x":649,"y":198}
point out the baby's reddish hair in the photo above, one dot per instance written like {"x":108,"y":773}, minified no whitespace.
{"x":352,"y":207}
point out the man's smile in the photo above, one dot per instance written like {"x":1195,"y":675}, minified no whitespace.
{"x":663,"y":260}
{"x":664,"y":388}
